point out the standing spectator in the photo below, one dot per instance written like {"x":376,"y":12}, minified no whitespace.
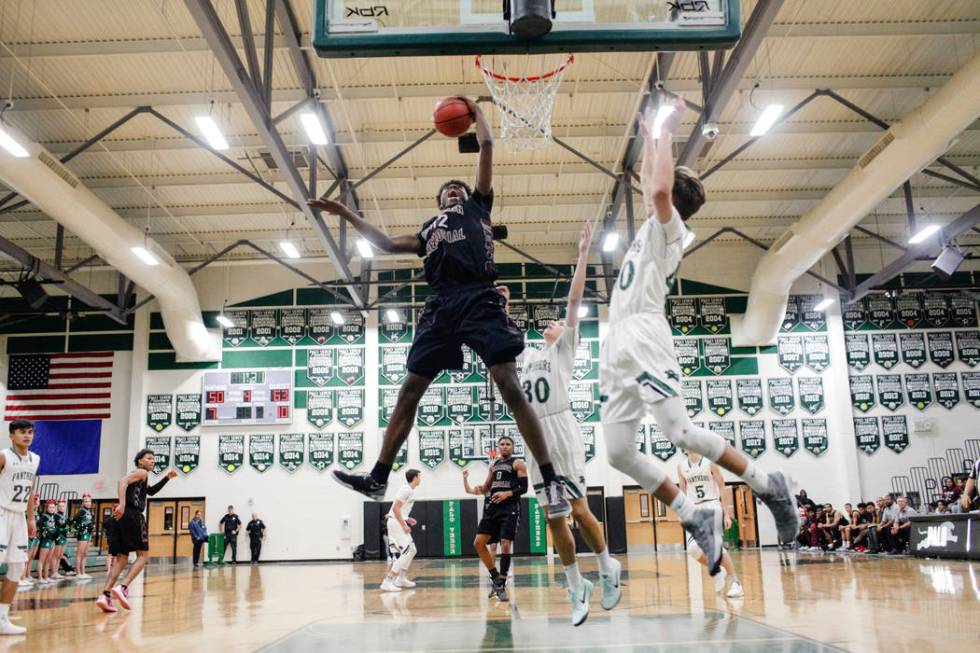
{"x":886,"y":519}
{"x":83,"y":524}
{"x":232,"y":524}
{"x":901,"y":526}
{"x":256,"y":533}
{"x":803,"y":501}
{"x":199,"y":535}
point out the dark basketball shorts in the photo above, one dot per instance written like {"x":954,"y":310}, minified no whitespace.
{"x":473,"y":316}
{"x":500,"y":523}
{"x":132,"y":534}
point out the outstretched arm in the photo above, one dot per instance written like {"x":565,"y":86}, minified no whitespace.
{"x":378,"y":238}
{"x":657,"y":172}
{"x":484,"y":134}
{"x":577,"y":288}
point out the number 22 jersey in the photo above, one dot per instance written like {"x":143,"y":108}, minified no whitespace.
{"x":17,"y":479}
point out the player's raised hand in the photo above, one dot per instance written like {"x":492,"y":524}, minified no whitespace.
{"x":172,"y":474}
{"x":672,"y":121}
{"x":473,"y":106}
{"x":585,"y":238}
{"x":466,"y":474}
{"x":330,"y":206}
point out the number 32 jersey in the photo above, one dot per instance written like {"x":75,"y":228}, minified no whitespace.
{"x":17,"y":479}
{"x":546,"y":374}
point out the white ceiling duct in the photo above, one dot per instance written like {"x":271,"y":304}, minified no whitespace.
{"x":906,"y":148}
{"x":42,"y":179}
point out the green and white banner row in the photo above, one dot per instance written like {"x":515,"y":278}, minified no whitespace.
{"x":911,"y":310}
{"x":293,"y":326}
{"x":914,"y":349}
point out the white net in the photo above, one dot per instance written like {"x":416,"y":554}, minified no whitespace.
{"x":524,"y":104}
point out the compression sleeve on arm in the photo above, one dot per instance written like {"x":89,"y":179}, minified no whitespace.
{"x":153,"y":489}
{"x":521,"y":488}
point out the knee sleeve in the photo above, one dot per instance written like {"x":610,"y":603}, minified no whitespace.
{"x":672,"y":419}
{"x":622,"y":454}
{"x":14,"y":571}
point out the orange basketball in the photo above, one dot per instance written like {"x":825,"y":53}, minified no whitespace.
{"x":452,"y":117}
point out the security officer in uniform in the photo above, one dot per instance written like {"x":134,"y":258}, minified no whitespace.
{"x":256,"y":533}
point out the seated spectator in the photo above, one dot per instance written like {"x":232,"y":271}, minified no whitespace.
{"x":931,"y":508}
{"x":803,"y":501}
{"x":863,"y":527}
{"x":886,"y":519}
{"x":950,"y":492}
{"x":942,"y":508}
{"x":808,"y":537}
{"x":848,"y":515}
{"x":901,"y":529}
{"x":830,"y":528}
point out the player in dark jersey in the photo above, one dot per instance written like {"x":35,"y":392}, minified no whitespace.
{"x":465,"y":309}
{"x":130,"y":530}
{"x":505,"y":485}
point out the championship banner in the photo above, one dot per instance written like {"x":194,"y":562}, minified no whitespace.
{"x":660,"y":445}
{"x":749,"y":393}
{"x":913,"y":348}
{"x":291,"y":450}
{"x":890,"y":393}
{"x":351,"y":332}
{"x":919,"y":390}
{"x":395,"y":332}
{"x":261,"y":451}
{"x":725,"y":430}
{"x":963,"y":310}
{"x":867,"y":434}
{"x":401,"y":458}
{"x":387,"y":398}
{"x":811,"y":393}
{"x":584,"y":359}
{"x":781,"y":398}
{"x":881,"y":311}
{"x":582,"y":400}
{"x":940,"y":347}
{"x":319,"y":325}
{"x":885,"y":347}
{"x":319,"y":365}
{"x":463,"y":446}
{"x":714,"y":317}
{"x":717,"y":354}
{"x":785,"y":436}
{"x":541,"y":316}
{"x":693,"y":396}
{"x":855,"y":315}
{"x":432,"y":447}
{"x":231,"y":452}
{"x":432,"y":407}
{"x":790,"y":352}
{"x":488,"y":409}
{"x":682,"y":314}
{"x":862,"y":392}
{"x":350,"y":406}
{"x":321,"y":450}
{"x":460,"y":401}
{"x":908,"y":308}
{"x":816,"y":353}
{"x":238,"y":333}
{"x":520,"y":316}
{"x":264,"y":326}
{"x":791,"y":318}
{"x":896,"y":432}
{"x":319,"y":407}
{"x":947,"y":389}
{"x":350,"y":449}
{"x":588,"y":438}
{"x":187,"y":453}
{"x":160,"y":446}
{"x":815,"y":436}
{"x":811,"y":318}
{"x":463,"y":374}
{"x":968,"y":347}
{"x":159,"y":411}
{"x":752,"y":433}
{"x":292,"y":324}
{"x":971,"y":387}
{"x":687,"y":354}
{"x":935,"y":310}
{"x":393,"y":360}
{"x":720,"y":396}
{"x":350,"y":364}
{"x":858,"y":350}
{"x":641,"y":438}
{"x":189,"y":411}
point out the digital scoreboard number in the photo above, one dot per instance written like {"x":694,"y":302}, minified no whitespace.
{"x":247,"y":397}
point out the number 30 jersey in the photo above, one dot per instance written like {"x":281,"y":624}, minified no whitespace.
{"x":546,"y":374}
{"x":17,"y":479}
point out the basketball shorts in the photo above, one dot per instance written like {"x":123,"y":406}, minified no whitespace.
{"x":132,"y":532}
{"x":500,"y":522}
{"x":113,"y":544}
{"x":637,"y":368}
{"x":567,"y":449}
{"x":693,"y":550}
{"x":13,"y":536}
{"x":474,"y":316}
{"x":397,"y":535}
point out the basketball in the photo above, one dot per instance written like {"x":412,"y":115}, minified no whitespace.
{"x":452,"y":117}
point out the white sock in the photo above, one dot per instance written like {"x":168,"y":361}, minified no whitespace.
{"x":757,"y":479}
{"x":606,"y":566}
{"x":4,"y":611}
{"x":574,"y":577}
{"x":684,"y":508}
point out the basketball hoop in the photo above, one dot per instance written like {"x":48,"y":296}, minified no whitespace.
{"x":525,"y":104}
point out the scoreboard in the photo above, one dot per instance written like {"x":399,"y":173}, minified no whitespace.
{"x":247,"y":397}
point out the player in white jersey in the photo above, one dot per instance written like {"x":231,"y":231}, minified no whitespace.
{"x":703,"y":484}
{"x":545,"y":377}
{"x":638,"y":368}
{"x":18,"y":476}
{"x":400,"y":533}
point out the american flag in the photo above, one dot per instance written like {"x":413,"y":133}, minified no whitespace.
{"x":59,"y":386}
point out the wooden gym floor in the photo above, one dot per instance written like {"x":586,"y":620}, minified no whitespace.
{"x":793,"y":602}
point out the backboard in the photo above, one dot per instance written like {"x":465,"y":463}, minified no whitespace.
{"x":399,"y":28}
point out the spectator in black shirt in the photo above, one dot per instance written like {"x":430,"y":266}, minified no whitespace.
{"x":231,"y":524}
{"x":862,"y":527}
{"x":256,"y":533}
{"x":803,"y":501}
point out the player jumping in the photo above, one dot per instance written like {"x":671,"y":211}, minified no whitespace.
{"x":18,"y":473}
{"x":457,"y":246}
{"x":639,"y":370}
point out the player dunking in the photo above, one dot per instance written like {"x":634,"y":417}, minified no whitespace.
{"x":546,"y":376}
{"x":130,"y":527}
{"x":639,"y":370}
{"x":701,"y":481}
{"x":458,"y":249}
{"x":18,"y":473}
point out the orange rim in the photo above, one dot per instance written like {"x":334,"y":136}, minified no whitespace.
{"x":518,"y":80}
